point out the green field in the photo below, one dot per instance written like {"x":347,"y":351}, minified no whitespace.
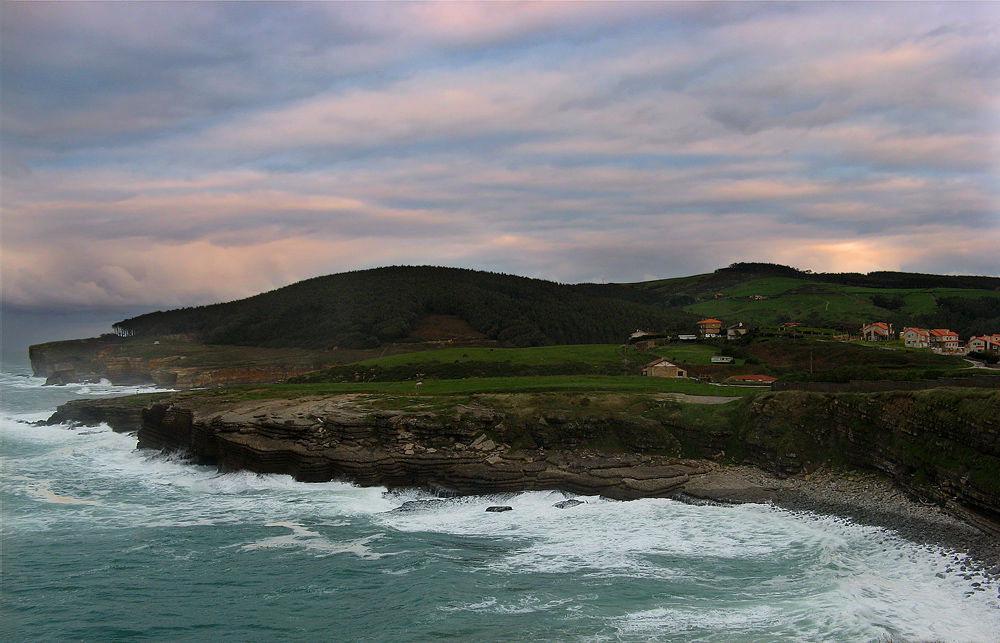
{"x":594,"y":354}
{"x":689,"y":354}
{"x":575,"y":383}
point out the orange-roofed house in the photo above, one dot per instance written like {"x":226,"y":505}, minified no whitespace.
{"x":877,"y":332}
{"x":985,"y":343}
{"x":944,"y":341}
{"x":709,"y":327}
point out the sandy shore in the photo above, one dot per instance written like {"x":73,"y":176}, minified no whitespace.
{"x":864,"y":498}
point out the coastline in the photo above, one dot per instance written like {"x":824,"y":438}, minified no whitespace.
{"x":320,"y":439}
{"x":862,"y":497}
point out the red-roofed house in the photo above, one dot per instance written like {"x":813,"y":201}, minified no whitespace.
{"x":944,"y":341}
{"x":877,"y":332}
{"x":985,"y":343}
{"x":709,"y":327}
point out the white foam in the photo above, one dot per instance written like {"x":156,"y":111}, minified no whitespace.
{"x":661,"y":620}
{"x":42,"y":490}
{"x":830,"y":576}
{"x":523,"y":605}
{"x":101,"y":388}
{"x":312,"y":541}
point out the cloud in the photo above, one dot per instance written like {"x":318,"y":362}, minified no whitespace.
{"x":167,"y":154}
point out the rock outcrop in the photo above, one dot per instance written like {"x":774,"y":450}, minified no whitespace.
{"x":120,"y":414}
{"x":316,"y":439}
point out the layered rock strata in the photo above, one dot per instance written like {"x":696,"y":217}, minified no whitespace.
{"x":316,"y":440}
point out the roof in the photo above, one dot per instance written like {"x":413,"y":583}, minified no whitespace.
{"x":710,"y":321}
{"x":881,"y":325}
{"x":918,"y":331}
{"x":657,"y":362}
{"x":938,"y":332}
{"x":755,"y":378}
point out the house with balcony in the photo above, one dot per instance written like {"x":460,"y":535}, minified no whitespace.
{"x":945,"y":341}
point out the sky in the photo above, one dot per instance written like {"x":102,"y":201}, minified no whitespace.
{"x":166,"y":154}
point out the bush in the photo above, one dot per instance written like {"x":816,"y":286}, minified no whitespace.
{"x":990,"y":357}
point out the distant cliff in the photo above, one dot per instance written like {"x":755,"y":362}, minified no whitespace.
{"x":175,"y":361}
{"x":942,"y":445}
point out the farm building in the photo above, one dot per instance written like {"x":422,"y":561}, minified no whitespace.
{"x":736,"y":331}
{"x":663,"y":368}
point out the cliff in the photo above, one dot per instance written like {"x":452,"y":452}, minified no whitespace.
{"x":176,"y":361}
{"x":942,"y":445}
{"x":318,"y":439}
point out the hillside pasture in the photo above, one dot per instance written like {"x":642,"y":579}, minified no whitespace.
{"x":542,"y":384}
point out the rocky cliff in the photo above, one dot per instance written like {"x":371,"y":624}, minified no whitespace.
{"x":941,"y":445}
{"x":318,"y":439}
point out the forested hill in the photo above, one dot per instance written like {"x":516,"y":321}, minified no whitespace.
{"x":364,"y":309}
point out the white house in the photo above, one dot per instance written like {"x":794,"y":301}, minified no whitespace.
{"x":916,"y":338}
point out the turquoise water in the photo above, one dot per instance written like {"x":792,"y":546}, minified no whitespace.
{"x":102,"y":542}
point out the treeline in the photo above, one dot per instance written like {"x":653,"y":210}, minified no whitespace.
{"x":966,"y":316}
{"x":877,"y":279}
{"x":364,"y":309}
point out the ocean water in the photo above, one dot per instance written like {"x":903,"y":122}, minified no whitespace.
{"x":102,"y":542}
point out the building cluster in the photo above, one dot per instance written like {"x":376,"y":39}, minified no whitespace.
{"x":939,"y":340}
{"x":711,"y":328}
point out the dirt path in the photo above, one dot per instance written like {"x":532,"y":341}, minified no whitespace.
{"x":696,"y":399}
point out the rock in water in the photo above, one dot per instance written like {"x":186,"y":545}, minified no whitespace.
{"x":499,"y":508}
{"x":568,"y":503}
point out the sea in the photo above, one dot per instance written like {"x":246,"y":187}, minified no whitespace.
{"x":104,"y":542}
